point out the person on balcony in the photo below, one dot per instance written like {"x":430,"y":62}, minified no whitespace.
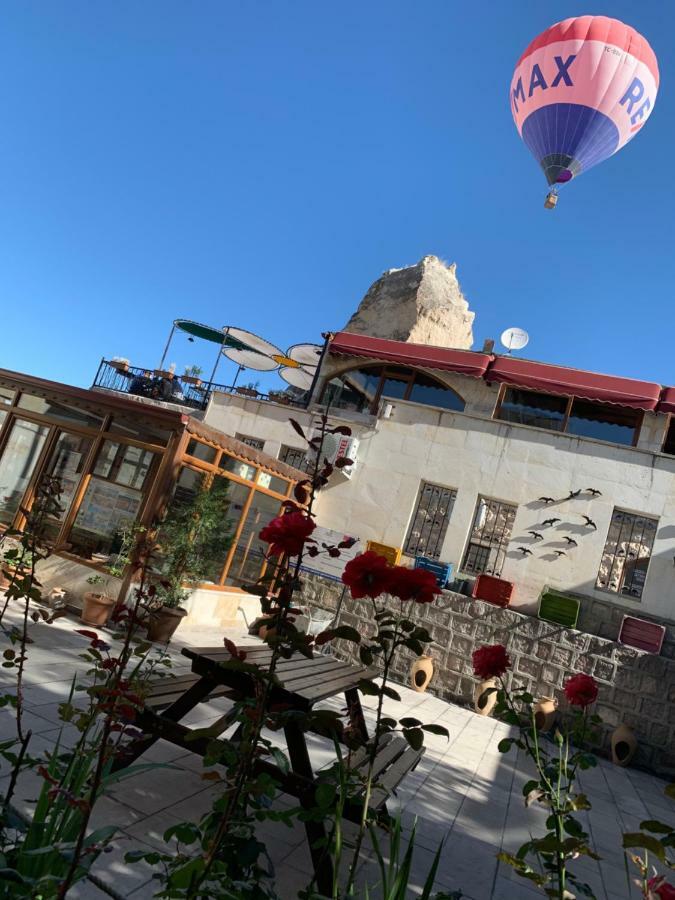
{"x":141,"y":385}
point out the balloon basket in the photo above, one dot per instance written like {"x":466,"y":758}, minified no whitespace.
{"x":551,"y":200}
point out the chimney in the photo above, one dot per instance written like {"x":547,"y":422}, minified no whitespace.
{"x":488,"y":346}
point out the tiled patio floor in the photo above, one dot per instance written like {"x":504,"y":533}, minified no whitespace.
{"x":463,"y":788}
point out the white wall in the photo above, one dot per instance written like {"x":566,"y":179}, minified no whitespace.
{"x":477,"y":455}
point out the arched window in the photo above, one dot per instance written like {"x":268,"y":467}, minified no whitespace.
{"x":361,"y":389}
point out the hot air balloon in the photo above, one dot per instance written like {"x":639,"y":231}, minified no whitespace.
{"x":580,"y":91}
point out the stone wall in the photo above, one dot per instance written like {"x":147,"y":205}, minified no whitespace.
{"x":635,"y":687}
{"x":603,"y":618}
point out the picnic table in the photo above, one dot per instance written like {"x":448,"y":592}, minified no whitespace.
{"x":302,"y":683}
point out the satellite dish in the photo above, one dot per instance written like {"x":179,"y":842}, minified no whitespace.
{"x":514,"y":339}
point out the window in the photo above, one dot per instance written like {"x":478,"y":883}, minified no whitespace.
{"x":66,"y":462}
{"x":585,"y":418}
{"x":430,"y":521}
{"x":604,"y":422}
{"x":489,"y":537}
{"x":19,"y":458}
{"x":146,"y":431}
{"x":272,"y":482}
{"x":361,"y":390}
{"x":249,"y":554}
{"x":625,"y":559}
{"x":123,"y":464}
{"x":256,"y":443}
{"x":60,"y":410}
{"x":237,"y":467}
{"x":293,"y":456}
{"x":6,"y":396}
{"x":669,"y":443}
{"x":202,"y":451}
{"x":531,"y":408}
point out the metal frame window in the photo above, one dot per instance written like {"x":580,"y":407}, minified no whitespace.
{"x":430,"y":521}
{"x":361,"y":389}
{"x":489,"y":537}
{"x":628,"y":549}
{"x":293,"y":456}
{"x":254,"y":442}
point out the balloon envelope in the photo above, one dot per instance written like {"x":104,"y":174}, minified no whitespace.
{"x":580,"y":91}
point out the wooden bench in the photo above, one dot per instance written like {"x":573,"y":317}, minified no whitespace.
{"x":162,"y":692}
{"x":395,"y":758}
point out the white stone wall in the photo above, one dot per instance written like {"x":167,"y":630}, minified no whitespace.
{"x":477,"y":455}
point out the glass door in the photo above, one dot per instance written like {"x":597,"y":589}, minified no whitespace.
{"x":66,"y":462}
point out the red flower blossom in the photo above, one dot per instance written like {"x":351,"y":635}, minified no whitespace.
{"x":287,"y":533}
{"x":413,"y":584}
{"x":581,"y":690}
{"x":659,"y":887}
{"x":490,"y":661}
{"x":367,"y":575}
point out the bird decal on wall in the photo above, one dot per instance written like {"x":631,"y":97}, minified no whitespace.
{"x":590,"y":523}
{"x":536,"y":535}
{"x":594,"y":492}
{"x":550,"y":521}
{"x":547,"y":500}
{"x":570,"y":541}
{"x":573,"y":494}
{"x":525,"y":551}
{"x":560,"y":553}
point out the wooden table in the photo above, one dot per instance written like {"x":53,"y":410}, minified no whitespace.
{"x":302,"y":683}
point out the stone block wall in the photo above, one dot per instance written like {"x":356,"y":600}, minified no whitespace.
{"x":635,"y":687}
{"x":604,"y":619}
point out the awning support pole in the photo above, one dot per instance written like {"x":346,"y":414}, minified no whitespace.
{"x":166,"y":349}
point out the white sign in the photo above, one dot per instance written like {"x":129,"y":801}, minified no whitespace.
{"x":324,"y":564}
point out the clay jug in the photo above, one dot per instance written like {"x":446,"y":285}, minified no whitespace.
{"x":624,"y":745}
{"x":421,"y":673}
{"x":484,"y":703}
{"x":545,"y":710}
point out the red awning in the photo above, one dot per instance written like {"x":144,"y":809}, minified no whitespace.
{"x":575,"y":382}
{"x":667,"y":401}
{"x":466,"y":362}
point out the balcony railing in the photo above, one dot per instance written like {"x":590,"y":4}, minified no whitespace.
{"x":148,"y":383}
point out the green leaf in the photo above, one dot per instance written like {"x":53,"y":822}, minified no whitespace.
{"x":413,"y":644}
{"x":415,"y":737}
{"x":101,"y":835}
{"x":386,"y":722}
{"x":505,"y":745}
{"x":281,"y":759}
{"x":437,"y":729}
{"x":655,"y":826}
{"x":325,"y":795}
{"x":572,"y":827}
{"x":581,"y":801}
{"x":347,"y":633}
{"x":184,"y":832}
{"x":530,"y":786}
{"x":366,"y":656}
{"x":369,"y":688}
{"x":644,"y":842}
{"x":410,"y":722}
{"x":390,"y":692}
{"x":670,"y":791}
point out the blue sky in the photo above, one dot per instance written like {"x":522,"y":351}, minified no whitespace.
{"x":260,"y":164}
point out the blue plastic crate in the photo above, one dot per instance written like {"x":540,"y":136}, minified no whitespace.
{"x":442,"y":571}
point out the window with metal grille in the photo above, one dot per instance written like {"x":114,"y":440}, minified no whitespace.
{"x":628,"y":548}
{"x":489,"y":537}
{"x":293,"y":456}
{"x":256,"y":443}
{"x":430,"y":522}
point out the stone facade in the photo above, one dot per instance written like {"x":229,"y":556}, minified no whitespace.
{"x":635,"y":687}
{"x":423,"y":304}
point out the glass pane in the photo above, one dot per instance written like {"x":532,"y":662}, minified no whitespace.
{"x":603,"y":422}
{"x":429,"y":392}
{"x":531,"y":408}
{"x":201,"y":451}
{"x":625,"y":559}
{"x":66,"y":462}
{"x":144,"y":431}
{"x":249,"y":555}
{"x":123,"y":464}
{"x":254,"y":442}
{"x":237,"y":467}
{"x":395,"y":386}
{"x":669,"y":443}
{"x":293,"y":456}
{"x":106,"y":510}
{"x":489,"y":538}
{"x":6,"y":396}
{"x":234,"y":497}
{"x":23,"y":447}
{"x":64,"y":412}
{"x":355,"y":390}
{"x":272,"y":483}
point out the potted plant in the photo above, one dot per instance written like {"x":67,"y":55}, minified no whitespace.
{"x":193,"y":534}
{"x":279,"y":397}
{"x":248,"y":390}
{"x":15,"y":563}
{"x":97,"y":605}
{"x":191,"y":375}
{"x":120,"y":363}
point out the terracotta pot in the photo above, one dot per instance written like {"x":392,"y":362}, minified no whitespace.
{"x":484,"y":703}
{"x":624,"y":745}
{"x":545,"y":711}
{"x":191,"y":379}
{"x":421,"y":673}
{"x":96,"y":608}
{"x":163,"y":623}
{"x":120,"y":366}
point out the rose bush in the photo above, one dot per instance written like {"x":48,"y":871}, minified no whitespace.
{"x":581,"y":690}
{"x":288,"y":533}
{"x":490,"y":661}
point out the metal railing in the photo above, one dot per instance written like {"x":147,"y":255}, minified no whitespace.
{"x":147,"y":383}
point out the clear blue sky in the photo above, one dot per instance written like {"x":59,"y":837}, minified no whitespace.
{"x":261,"y":163}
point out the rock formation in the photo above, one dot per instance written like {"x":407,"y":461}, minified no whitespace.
{"x":421,"y":304}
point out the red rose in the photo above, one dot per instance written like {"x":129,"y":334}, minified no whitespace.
{"x":581,"y":690}
{"x":367,"y":575}
{"x":287,"y":533}
{"x":660,"y":888}
{"x":413,"y":584}
{"x":490,"y":661}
